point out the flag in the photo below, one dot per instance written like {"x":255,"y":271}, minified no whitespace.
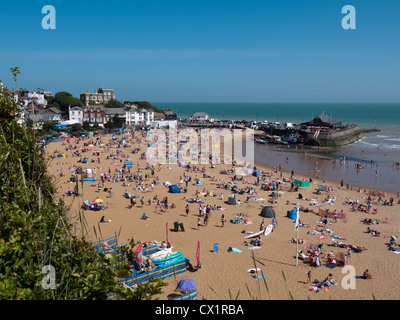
{"x":166,"y":234}
{"x":139,"y":254}
{"x":297,"y":218}
{"x":198,"y":254}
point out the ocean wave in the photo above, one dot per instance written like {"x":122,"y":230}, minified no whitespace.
{"x":382,"y":146}
{"x":393,"y":139}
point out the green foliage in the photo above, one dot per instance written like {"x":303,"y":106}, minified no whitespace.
{"x":87,"y":127}
{"x":35,"y":232}
{"x":115,"y":123}
{"x":62,"y":100}
{"x":76,"y":127}
{"x":15,"y":72}
{"x":114,"y":104}
{"x":69,"y":101}
{"x":48,"y":127}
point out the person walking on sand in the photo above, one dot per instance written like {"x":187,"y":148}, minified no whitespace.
{"x":308,"y":276}
{"x":198,"y":223}
{"x":222,"y":220}
{"x":187,"y":210}
{"x":205,"y":220}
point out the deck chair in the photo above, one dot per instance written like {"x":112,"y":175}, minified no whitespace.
{"x":188,"y":295}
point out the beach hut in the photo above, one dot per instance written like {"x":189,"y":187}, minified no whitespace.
{"x":174,"y":189}
{"x":232,"y":199}
{"x":267,"y":212}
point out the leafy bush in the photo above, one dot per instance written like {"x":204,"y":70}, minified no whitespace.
{"x":34,"y":229}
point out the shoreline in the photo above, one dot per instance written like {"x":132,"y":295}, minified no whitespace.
{"x":325,"y":171}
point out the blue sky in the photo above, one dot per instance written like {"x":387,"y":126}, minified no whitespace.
{"x":207,"y":51}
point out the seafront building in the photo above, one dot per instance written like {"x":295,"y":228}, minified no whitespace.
{"x":139,"y":116}
{"x":165,"y":115}
{"x":37,"y":97}
{"x":199,"y":117}
{"x":94,"y":114}
{"x":99,"y":97}
{"x":100,"y":115}
{"x":75,"y":115}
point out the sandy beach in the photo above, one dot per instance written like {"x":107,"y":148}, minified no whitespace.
{"x":223,"y":274}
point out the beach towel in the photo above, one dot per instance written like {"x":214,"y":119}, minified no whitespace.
{"x":260,"y":276}
{"x":396,"y":250}
{"x":338,"y":238}
{"x":234,"y":249}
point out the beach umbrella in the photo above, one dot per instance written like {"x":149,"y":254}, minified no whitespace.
{"x":186,"y":284}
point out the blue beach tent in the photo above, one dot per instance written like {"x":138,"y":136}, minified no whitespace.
{"x":174,"y":189}
{"x":293,"y":214}
{"x":256,"y":174}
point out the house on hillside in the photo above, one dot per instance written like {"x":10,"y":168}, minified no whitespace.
{"x":99,"y":97}
{"x":139,"y":116}
{"x":94,"y":114}
{"x":51,"y":114}
{"x":165,"y":115}
{"x":199,"y":117}
{"x":76,"y":114}
{"x":112,"y":112}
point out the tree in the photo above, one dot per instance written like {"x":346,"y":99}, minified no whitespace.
{"x":36,"y":232}
{"x":49,"y":126}
{"x":70,"y":101}
{"x":76,"y":127}
{"x":15,"y":72}
{"x":59,"y":96}
{"x":115,"y":123}
{"x":86,"y":126}
{"x":114,"y":104}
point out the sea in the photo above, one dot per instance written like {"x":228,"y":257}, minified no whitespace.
{"x":376,"y":154}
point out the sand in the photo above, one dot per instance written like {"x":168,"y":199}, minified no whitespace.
{"x":224,"y":275}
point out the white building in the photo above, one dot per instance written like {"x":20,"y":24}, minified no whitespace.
{"x":139,"y":116}
{"x":164,"y":124}
{"x":199,"y":116}
{"x":76,"y":114}
{"x":34,"y":96}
